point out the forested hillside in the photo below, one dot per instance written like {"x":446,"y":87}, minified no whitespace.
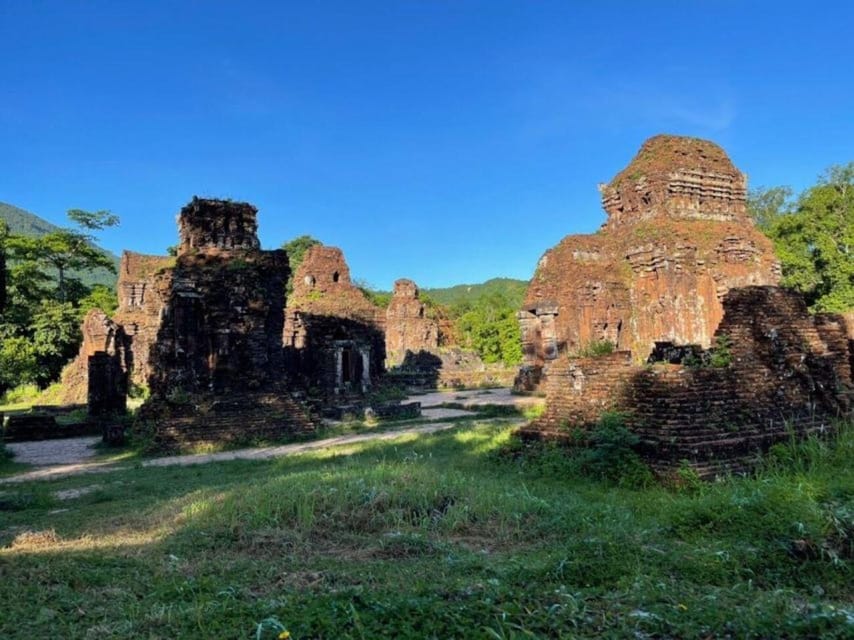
{"x":24,"y":223}
{"x":512,"y":290}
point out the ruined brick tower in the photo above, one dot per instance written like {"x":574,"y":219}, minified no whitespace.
{"x":408,"y":329}
{"x":217,"y":226}
{"x":680,"y":262}
{"x":333,"y":335}
{"x":677,"y":238}
{"x":221,"y":326}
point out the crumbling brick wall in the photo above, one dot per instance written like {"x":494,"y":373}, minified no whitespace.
{"x":787,"y":372}
{"x":100,"y":335}
{"x":217,"y":226}
{"x":205,"y":323}
{"x":143,"y":285}
{"x":676,"y":240}
{"x":107,"y":385}
{"x":222,"y":324}
{"x":143,"y":288}
{"x":217,"y":367}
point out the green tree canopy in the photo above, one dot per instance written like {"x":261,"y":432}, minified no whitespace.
{"x":766,"y":205}
{"x":67,"y":250}
{"x":39,"y":322}
{"x":814,"y":238}
{"x":489,"y":327}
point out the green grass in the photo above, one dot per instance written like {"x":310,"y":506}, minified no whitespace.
{"x":8,"y":465}
{"x":442,"y":536}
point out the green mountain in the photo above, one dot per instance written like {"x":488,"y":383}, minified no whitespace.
{"x":24,"y":223}
{"x":512,"y":290}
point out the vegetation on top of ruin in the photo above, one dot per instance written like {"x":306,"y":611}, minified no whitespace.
{"x":296,"y":249}
{"x":457,"y":534}
{"x":662,"y":154}
{"x":594,"y":349}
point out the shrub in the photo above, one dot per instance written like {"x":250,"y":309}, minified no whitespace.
{"x":687,"y":479}
{"x":611,"y":455}
{"x":596,"y":348}
{"x":139,"y":391}
{"x":721,"y":352}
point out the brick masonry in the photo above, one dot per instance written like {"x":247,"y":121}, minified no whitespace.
{"x":788,"y":372}
{"x":677,"y":238}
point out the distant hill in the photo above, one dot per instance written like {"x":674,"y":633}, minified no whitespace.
{"x":513,"y":290}
{"x":24,"y":223}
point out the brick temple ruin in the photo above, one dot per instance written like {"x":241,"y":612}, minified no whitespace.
{"x":334,"y":335}
{"x":225,"y":356}
{"x":676,"y":276}
{"x":202,"y":330}
{"x":711,"y":361}
{"x":409,"y":327}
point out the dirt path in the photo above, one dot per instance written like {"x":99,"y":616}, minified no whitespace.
{"x":73,"y":456}
{"x":475,"y":398}
{"x":53,"y":452}
{"x":80,"y":467}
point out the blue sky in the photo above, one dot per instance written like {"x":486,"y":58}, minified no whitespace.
{"x":444,"y":141}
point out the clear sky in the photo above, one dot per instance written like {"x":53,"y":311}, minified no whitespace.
{"x":444,"y":141}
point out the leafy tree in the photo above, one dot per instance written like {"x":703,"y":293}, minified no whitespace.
{"x":93,"y":220}
{"x":815,"y":241}
{"x":100,"y":297}
{"x":39,"y":323}
{"x":296,"y":249}
{"x":4,"y":234}
{"x":18,"y":363}
{"x":490,"y":328}
{"x":65,"y":250}
{"x":27,"y":285}
{"x":766,"y":205}
{"x":55,"y":338}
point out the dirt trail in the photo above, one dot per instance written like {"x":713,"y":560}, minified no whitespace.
{"x":52,"y":452}
{"x":80,"y":467}
{"x":73,"y":456}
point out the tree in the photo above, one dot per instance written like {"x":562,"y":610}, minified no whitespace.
{"x":100,"y":297}
{"x":18,"y":363}
{"x":766,"y":205}
{"x":296,"y":249}
{"x":55,"y":338}
{"x":39,"y":322}
{"x":4,"y":234}
{"x":67,"y":250}
{"x":815,"y":242}
{"x":93,"y":220}
{"x":490,"y":328}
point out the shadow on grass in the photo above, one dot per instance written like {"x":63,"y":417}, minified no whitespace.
{"x":432,"y":536}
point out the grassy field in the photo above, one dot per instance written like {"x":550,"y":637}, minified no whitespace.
{"x":442,"y":536}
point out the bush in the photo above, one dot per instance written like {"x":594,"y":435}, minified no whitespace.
{"x":721,"y":352}
{"x":596,"y":348}
{"x":611,"y":455}
{"x":605,"y":453}
{"x":22,"y":394}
